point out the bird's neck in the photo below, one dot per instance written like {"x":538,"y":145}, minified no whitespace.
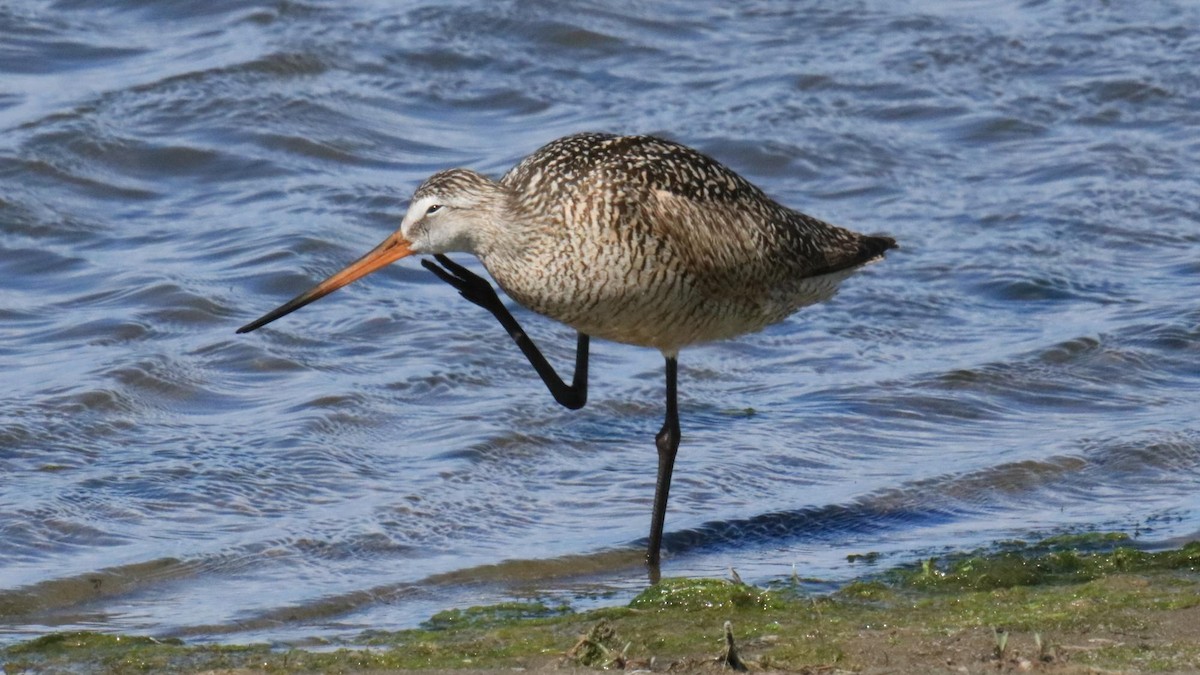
{"x":508,"y":230}
{"x":517,"y":238}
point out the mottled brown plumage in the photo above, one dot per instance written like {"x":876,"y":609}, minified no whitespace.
{"x":648,"y":242}
{"x":630,"y":238}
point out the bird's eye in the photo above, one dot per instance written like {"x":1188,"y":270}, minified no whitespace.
{"x":433,"y":208}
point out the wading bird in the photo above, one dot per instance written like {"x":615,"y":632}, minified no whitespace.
{"x":633,"y":239}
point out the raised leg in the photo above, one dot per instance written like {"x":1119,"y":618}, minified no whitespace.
{"x":479,"y":291}
{"x":667,"y":441}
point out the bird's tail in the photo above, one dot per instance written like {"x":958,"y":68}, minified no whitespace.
{"x":871,"y":247}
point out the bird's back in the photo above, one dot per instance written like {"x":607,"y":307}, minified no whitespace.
{"x":646,"y":241}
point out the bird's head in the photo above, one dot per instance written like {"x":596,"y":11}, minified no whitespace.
{"x":452,"y":211}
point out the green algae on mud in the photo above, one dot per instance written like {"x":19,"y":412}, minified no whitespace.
{"x":492,"y":614}
{"x":1064,"y":605}
{"x":697,"y":594}
{"x":1020,"y":565}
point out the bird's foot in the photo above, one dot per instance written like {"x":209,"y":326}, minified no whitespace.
{"x":468,"y":284}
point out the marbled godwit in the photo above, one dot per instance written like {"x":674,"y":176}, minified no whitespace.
{"x":627,"y":238}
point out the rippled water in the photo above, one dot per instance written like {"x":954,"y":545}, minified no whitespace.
{"x":1027,"y":362}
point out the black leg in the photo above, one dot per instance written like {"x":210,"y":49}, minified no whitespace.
{"x":479,"y":291}
{"x":667,"y":441}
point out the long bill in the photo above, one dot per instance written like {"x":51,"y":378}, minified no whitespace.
{"x":392,"y":249}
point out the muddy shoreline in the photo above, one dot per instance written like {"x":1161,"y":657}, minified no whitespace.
{"x":1079,"y":604}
